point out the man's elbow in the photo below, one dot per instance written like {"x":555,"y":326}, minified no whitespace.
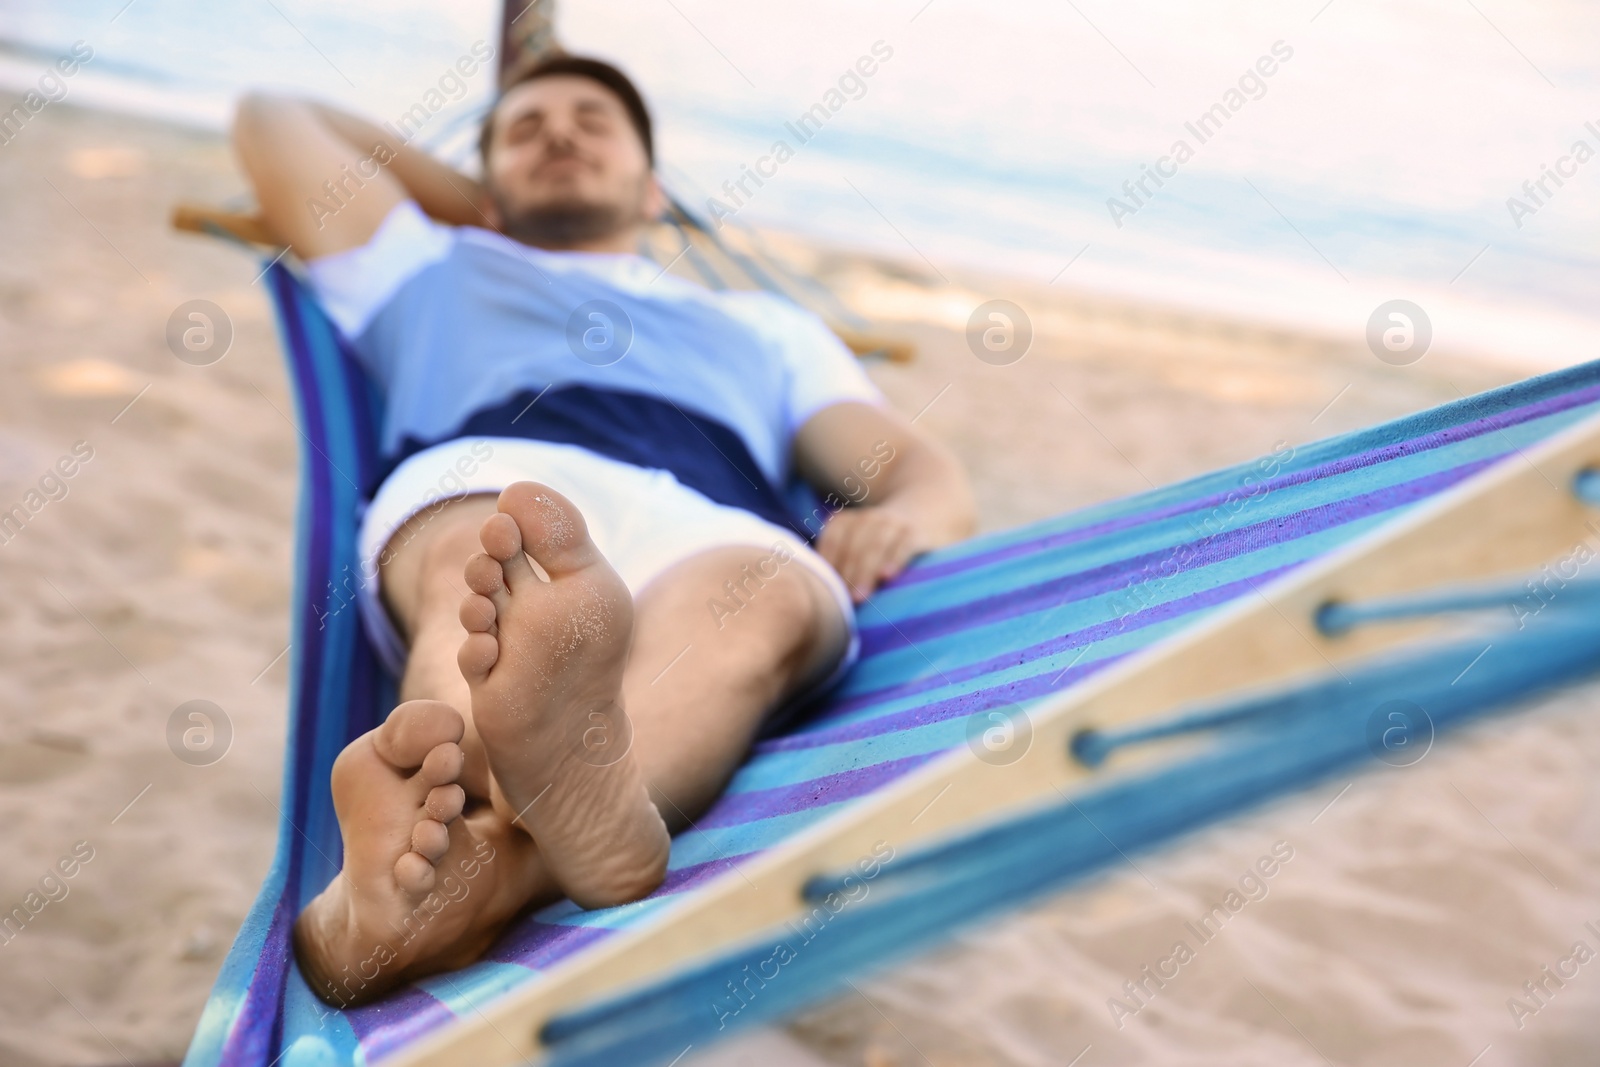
{"x":257,"y":112}
{"x":252,"y":109}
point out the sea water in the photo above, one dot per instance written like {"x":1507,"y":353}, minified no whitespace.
{"x":1334,"y":156}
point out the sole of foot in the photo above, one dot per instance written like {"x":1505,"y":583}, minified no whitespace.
{"x":395,"y":794}
{"x":544,"y":657}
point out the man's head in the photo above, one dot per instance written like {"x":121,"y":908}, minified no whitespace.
{"x":567,"y":157}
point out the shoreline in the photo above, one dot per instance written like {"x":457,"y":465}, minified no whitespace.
{"x":1182,"y":305}
{"x":162,"y":577}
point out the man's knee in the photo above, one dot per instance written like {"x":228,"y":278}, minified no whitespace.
{"x":452,"y":544}
{"x":440,"y":581}
{"x":776,"y":610}
{"x":423,"y":572}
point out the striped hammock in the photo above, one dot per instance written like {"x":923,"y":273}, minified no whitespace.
{"x":993,"y":625}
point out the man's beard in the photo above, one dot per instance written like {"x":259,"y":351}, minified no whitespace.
{"x":565,"y":224}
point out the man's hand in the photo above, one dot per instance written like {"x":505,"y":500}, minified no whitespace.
{"x":870,"y":545}
{"x":906,"y":493}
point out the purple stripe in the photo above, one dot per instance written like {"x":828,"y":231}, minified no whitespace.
{"x":735,"y":809}
{"x":1387,"y":453}
{"x":316,"y":571}
{"x":402,"y":1017}
{"x":696,"y":873}
{"x":256,"y":1030}
{"x":1120,"y":574}
{"x":536,"y":945}
{"x":411,"y":1012}
{"x":397,"y":1020}
{"x":257,"y":1033}
{"x":310,"y":671}
{"x":1088,"y":635}
{"x":539,"y":945}
{"x":996,"y":696}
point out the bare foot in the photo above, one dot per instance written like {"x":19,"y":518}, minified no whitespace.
{"x":398,"y":908}
{"x":544,"y":661}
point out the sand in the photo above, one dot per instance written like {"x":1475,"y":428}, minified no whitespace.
{"x":1413,"y":907}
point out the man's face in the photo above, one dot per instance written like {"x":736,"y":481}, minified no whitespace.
{"x":566,"y":167}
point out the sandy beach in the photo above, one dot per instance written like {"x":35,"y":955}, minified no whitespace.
{"x":1416,"y":901}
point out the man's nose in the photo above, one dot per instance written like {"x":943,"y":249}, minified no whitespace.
{"x":560,"y":137}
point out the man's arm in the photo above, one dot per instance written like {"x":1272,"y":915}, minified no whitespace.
{"x":290,"y":148}
{"x":905,"y":492}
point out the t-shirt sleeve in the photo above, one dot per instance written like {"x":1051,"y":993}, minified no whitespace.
{"x":355,"y":284}
{"x":821,"y":370}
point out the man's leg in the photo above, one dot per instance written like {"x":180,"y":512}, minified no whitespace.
{"x":432,"y":870}
{"x":547,"y":662}
{"x":423,"y":584}
{"x":702,"y":680}
{"x":699,"y":681}
{"x":696,"y":687}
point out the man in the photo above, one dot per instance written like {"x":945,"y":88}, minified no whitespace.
{"x":581,"y":515}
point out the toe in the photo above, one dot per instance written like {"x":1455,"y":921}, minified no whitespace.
{"x":442,"y":765}
{"x":500,"y":536}
{"x":551,"y":529}
{"x":477,"y":656}
{"x":477,"y":613}
{"x":486,"y":578}
{"x":416,"y":728}
{"x":445,"y":802}
{"x":502,"y":539}
{"x":413,"y":873}
{"x":430,"y":840}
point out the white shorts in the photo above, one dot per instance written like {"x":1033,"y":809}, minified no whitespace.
{"x":644,"y":521}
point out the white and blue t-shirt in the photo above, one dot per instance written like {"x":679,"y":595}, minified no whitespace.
{"x":467,"y":332}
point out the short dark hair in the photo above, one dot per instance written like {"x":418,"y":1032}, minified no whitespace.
{"x":595,"y":70}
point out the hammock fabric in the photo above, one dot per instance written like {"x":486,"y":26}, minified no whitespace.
{"x":995,"y":623}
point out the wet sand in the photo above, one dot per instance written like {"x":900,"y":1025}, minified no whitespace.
{"x":1413,"y":906}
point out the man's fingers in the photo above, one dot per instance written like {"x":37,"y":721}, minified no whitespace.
{"x":890,"y":552}
{"x":847,"y":553}
{"x":836,"y":542}
{"x":874,"y":546}
{"x":899,"y":553}
{"x":867,"y":547}
{"x":875,"y":549}
{"x":829,"y":541}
